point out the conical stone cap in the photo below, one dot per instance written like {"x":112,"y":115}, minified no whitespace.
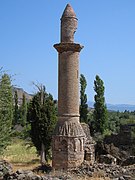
{"x":68,"y":12}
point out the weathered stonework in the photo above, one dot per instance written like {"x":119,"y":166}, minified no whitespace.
{"x":89,"y":147}
{"x":69,"y":137}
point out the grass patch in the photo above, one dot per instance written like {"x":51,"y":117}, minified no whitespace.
{"x":21,"y":155}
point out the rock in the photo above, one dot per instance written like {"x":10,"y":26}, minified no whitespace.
{"x":21,"y":176}
{"x":123,"y":170}
{"x":114,"y":172}
{"x":19,"y":171}
{"x":121,"y":178}
{"x":44,"y":168}
{"x":35,"y":177}
{"x":119,"y":146}
{"x":127,"y":177}
{"x":107,"y":159}
{"x":129,"y":161}
{"x":44,"y":178}
{"x":1,"y":174}
{"x":107,"y":170}
{"x":5,"y":169}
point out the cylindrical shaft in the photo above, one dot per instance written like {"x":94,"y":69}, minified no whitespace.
{"x":68,"y":89}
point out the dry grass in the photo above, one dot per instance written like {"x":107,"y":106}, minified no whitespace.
{"x":21,"y":155}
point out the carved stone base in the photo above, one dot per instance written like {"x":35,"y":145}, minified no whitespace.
{"x":68,"y":144}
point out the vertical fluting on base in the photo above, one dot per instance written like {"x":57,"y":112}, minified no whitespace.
{"x":69,"y":137}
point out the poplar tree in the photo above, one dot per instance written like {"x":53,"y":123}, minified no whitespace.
{"x":6,"y":110}
{"x":42,"y":116}
{"x":83,"y":100}
{"x":23,"y":111}
{"x":100,"y":110}
{"x":16,"y":109}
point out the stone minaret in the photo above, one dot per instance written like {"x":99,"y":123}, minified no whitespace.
{"x":69,"y":137}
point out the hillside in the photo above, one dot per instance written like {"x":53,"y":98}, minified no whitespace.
{"x":20,"y":93}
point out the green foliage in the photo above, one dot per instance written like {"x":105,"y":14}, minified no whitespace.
{"x":116,"y":119}
{"x":6,"y":110}
{"x":113,"y":121}
{"x":21,"y":132}
{"x":83,"y":100}
{"x":100,"y":111}
{"x":42,"y":116}
{"x":25,"y":134}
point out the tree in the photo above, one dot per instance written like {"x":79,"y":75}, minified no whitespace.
{"x":42,"y":116}
{"x":100,"y":111}
{"x":6,"y":110}
{"x":23,"y":111}
{"x":83,"y":100}
{"x":16,"y":109}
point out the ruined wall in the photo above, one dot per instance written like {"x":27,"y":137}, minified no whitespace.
{"x":89,"y":147}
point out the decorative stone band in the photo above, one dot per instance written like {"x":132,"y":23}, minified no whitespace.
{"x":62,"y":47}
{"x":68,"y":115}
{"x":69,"y":127}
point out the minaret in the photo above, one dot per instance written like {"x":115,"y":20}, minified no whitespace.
{"x":69,"y":137}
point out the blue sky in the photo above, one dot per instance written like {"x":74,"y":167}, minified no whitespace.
{"x":29,"y":28}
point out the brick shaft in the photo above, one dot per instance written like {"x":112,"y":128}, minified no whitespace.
{"x":68,"y":95}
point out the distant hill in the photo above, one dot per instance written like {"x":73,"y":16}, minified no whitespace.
{"x":116,"y":107}
{"x":121,"y":107}
{"x":20,"y":93}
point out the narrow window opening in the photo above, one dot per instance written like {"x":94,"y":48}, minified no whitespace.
{"x":77,"y":74}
